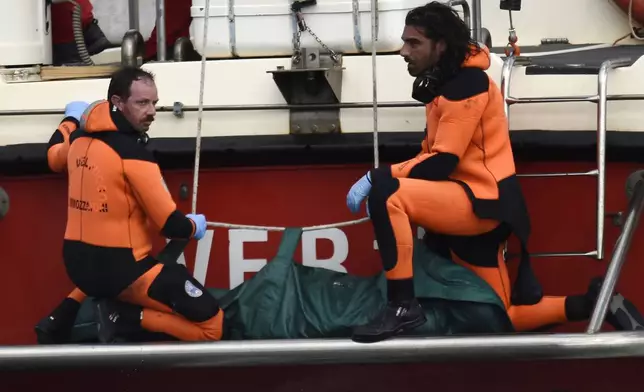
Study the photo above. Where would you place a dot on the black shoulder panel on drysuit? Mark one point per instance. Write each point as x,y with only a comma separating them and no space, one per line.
468,83
125,144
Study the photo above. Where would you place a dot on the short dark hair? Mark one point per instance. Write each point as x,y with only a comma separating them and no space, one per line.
439,21
121,82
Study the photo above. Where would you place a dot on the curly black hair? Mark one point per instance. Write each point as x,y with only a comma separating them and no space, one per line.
441,22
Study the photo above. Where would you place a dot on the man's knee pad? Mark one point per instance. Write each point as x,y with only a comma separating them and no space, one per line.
176,288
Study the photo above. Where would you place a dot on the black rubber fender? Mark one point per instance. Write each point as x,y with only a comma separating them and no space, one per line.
4,203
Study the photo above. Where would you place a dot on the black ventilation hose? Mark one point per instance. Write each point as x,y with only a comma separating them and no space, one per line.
79,37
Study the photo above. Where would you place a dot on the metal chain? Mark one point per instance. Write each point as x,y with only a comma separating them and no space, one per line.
297,53
296,42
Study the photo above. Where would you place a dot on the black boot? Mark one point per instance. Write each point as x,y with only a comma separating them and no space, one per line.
56,328
396,317
622,313
117,320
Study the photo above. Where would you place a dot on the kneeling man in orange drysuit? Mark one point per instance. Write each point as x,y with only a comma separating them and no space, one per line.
115,188
462,187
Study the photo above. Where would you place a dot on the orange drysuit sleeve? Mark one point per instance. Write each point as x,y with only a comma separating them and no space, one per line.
457,122
58,145
150,191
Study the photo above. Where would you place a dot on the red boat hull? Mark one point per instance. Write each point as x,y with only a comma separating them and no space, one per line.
563,214
562,210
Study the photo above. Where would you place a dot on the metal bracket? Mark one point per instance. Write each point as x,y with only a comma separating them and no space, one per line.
617,218
510,5
314,81
4,203
177,109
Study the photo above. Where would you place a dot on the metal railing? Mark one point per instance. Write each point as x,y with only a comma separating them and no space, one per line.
600,99
467,18
635,191
133,10
326,351
476,17
133,14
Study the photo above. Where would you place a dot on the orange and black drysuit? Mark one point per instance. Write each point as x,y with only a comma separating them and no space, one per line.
462,187
115,186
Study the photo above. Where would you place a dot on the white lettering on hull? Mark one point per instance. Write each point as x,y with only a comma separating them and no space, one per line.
239,265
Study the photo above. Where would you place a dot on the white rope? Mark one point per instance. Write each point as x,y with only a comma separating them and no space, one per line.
376,158
202,83
630,22
374,77
278,228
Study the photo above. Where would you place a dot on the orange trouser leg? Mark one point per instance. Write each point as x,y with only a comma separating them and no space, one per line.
549,311
438,206
159,317
77,295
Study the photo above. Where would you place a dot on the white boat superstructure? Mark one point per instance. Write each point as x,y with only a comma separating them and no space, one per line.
30,106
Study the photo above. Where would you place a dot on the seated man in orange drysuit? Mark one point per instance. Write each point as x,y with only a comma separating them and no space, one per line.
115,188
56,327
462,187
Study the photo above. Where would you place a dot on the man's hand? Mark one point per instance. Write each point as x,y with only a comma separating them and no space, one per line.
200,225
358,192
75,109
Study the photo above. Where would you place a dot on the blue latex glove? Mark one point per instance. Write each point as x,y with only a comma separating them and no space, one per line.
200,225
75,109
358,192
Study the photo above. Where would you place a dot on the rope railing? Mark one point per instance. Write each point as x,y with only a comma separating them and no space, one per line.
278,228
202,87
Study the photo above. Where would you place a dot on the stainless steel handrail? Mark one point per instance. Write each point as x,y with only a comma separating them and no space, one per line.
636,204
466,12
601,99
260,107
325,351
160,26
133,14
